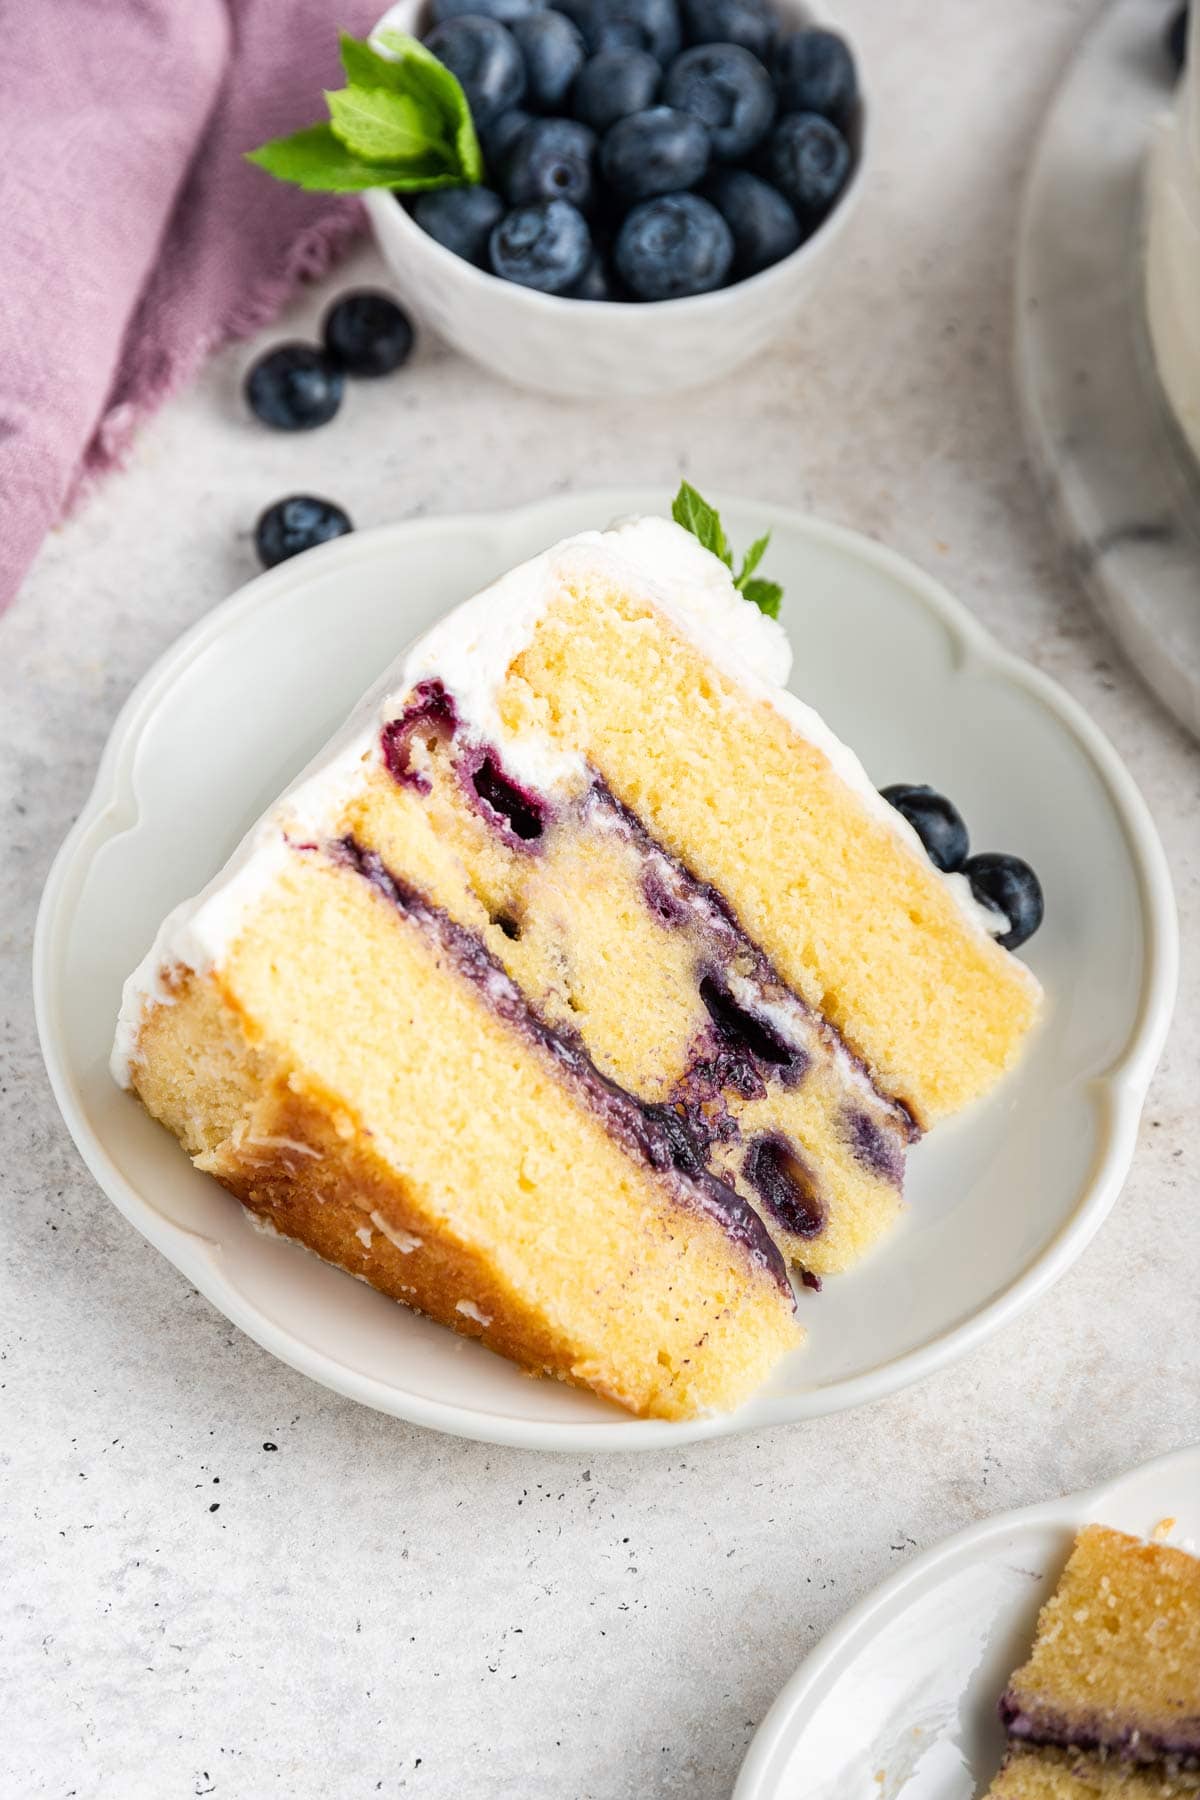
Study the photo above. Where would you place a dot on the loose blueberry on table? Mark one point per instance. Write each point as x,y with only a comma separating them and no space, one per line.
296,524
294,387
694,143
366,333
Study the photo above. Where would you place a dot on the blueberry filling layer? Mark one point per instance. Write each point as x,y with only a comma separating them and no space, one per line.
1134,1742
431,712
740,1027
652,1134
515,806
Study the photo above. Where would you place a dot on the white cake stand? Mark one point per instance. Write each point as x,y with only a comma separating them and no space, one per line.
1117,471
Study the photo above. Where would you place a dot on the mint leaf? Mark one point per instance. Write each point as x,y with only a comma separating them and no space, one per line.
751,560
401,122
366,68
317,160
766,595
438,85
693,512
384,127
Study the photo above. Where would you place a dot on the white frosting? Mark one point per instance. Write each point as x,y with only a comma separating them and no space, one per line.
1173,250
470,651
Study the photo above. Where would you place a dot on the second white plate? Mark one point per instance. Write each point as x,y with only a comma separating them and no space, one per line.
1000,1202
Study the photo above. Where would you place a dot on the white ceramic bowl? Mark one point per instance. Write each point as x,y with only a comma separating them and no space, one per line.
586,348
1001,1201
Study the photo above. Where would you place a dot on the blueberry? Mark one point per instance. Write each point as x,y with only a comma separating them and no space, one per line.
1176,38
551,159
367,333
296,524
498,136
613,84
615,34
786,1185
654,152
673,245
484,56
651,25
815,73
750,23
1007,885
764,227
728,90
554,54
596,283
809,162
294,387
461,219
546,246
937,823
506,11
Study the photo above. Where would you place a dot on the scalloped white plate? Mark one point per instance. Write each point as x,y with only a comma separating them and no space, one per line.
899,1701
1001,1201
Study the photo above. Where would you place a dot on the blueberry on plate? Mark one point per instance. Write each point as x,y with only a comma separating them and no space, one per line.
672,246
730,93
366,333
764,227
546,246
294,387
551,159
1176,38
750,23
461,219
937,823
506,11
815,73
554,54
1008,886
612,84
484,55
498,136
808,160
296,524
651,25
656,152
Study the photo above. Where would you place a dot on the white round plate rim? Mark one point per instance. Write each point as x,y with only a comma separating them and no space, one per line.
112,807
1119,478
778,1739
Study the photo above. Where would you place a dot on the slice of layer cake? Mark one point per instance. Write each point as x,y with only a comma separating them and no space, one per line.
582,985
1115,1666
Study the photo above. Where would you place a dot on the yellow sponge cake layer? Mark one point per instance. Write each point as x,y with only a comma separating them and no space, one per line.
857,921
355,1086
1069,1775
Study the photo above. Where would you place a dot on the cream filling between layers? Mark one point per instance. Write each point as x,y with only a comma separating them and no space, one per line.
470,651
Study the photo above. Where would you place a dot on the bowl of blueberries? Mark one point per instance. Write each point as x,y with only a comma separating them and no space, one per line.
663,179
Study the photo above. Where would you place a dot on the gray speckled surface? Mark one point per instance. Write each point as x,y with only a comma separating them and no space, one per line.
372,1609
